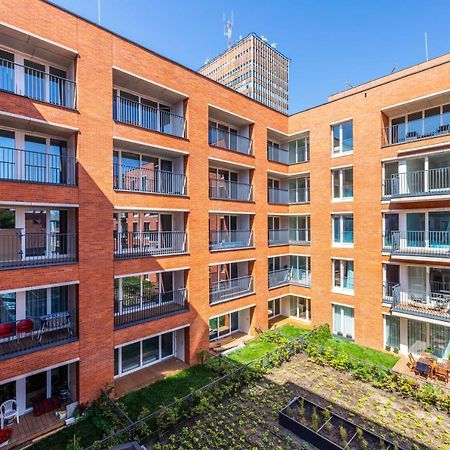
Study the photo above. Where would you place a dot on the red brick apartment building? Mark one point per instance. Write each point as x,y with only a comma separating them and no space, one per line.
147,212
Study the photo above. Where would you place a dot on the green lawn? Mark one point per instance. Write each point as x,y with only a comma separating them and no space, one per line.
387,360
253,350
164,391
292,331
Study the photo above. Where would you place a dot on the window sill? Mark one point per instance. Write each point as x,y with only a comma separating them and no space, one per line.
349,292
342,199
342,245
341,154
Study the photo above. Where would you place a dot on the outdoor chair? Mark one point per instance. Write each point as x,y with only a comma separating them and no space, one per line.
441,373
6,330
24,326
412,362
8,412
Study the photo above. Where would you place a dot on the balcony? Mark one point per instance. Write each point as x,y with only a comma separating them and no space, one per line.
418,183
288,196
34,167
277,154
27,323
278,196
230,141
435,244
289,237
434,304
136,244
289,276
140,179
230,190
134,308
36,84
230,239
135,113
225,290
19,249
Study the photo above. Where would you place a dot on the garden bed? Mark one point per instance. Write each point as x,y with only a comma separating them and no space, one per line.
328,430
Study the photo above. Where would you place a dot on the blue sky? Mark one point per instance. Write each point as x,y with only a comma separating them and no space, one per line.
330,43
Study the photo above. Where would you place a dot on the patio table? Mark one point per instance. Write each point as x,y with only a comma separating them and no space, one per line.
427,361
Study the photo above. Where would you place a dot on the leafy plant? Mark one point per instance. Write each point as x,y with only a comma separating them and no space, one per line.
343,433
314,420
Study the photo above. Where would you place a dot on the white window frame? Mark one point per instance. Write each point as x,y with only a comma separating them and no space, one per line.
337,151
340,172
341,242
226,334
340,289
335,332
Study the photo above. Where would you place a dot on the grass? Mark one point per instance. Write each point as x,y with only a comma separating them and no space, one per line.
387,360
164,391
292,331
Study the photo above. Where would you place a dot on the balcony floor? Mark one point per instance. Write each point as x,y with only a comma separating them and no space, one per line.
30,428
141,378
423,311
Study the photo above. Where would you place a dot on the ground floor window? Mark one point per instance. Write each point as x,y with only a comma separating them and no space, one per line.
299,307
422,336
274,308
143,353
392,331
223,325
343,321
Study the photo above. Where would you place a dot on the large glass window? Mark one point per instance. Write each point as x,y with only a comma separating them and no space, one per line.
299,190
7,71
342,137
131,356
273,307
392,331
299,307
417,336
343,229
343,183
343,274
343,321
223,325
299,150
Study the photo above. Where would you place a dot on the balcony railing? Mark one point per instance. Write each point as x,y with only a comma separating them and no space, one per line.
230,190
230,239
418,183
434,304
134,244
279,196
283,277
32,83
230,141
292,236
277,154
35,167
388,290
19,249
144,116
222,291
140,179
418,243
134,308
36,329
438,125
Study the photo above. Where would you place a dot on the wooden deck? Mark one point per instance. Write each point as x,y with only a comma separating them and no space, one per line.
33,428
279,321
141,378
229,342
402,367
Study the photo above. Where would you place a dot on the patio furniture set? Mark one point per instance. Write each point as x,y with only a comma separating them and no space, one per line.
429,367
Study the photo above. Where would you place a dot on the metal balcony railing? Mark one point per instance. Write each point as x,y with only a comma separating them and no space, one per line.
230,239
224,290
140,179
19,249
438,125
134,307
388,290
289,236
230,141
230,190
434,304
39,327
418,243
290,275
38,85
34,167
144,116
418,183
134,244
277,154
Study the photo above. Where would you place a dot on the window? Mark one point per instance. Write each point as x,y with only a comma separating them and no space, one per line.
343,229
273,308
392,331
342,274
299,190
299,150
342,137
343,183
223,325
391,225
343,321
143,353
299,307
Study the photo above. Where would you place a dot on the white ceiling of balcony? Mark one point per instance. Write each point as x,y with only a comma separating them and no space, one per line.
146,87
35,46
227,117
418,104
143,147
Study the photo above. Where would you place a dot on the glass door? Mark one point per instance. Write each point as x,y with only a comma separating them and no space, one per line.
417,284
415,226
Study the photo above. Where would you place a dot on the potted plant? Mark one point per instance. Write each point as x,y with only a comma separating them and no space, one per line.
396,350
5,436
387,348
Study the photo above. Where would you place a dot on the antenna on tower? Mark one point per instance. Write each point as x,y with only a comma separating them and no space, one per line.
228,29
98,11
